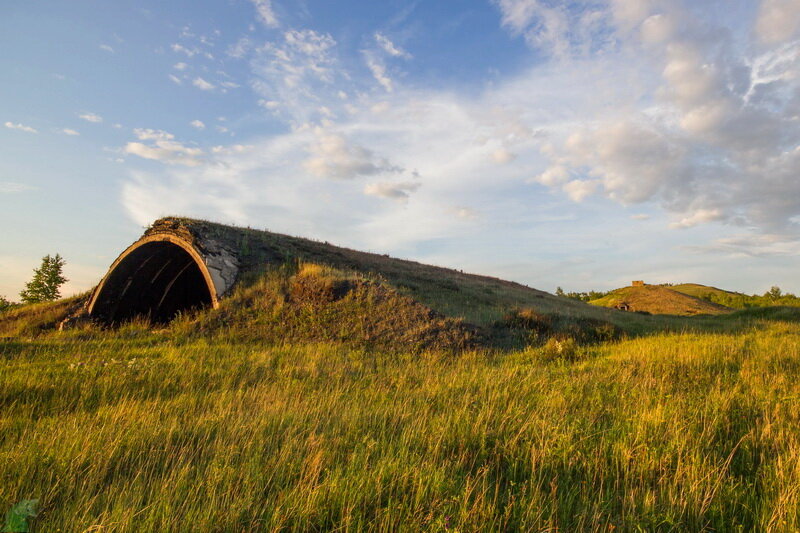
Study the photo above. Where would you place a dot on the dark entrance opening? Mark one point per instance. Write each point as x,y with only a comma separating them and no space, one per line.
157,280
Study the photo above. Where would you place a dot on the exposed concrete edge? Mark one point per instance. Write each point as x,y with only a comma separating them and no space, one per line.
218,265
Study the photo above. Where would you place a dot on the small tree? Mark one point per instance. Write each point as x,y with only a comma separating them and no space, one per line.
4,304
774,293
560,291
47,279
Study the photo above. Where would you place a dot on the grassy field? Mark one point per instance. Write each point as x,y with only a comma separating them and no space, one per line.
140,430
368,393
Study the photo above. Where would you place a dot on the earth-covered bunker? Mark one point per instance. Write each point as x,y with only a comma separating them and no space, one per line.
169,270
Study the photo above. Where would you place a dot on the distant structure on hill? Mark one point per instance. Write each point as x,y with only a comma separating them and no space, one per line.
637,283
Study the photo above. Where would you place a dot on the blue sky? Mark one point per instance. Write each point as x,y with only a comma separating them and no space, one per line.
577,144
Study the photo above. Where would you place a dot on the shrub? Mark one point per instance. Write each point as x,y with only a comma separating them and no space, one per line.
564,349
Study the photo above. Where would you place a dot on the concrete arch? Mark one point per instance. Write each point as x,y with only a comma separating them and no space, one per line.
159,276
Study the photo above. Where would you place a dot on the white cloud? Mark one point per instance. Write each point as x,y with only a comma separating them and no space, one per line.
180,66
389,47
198,124
378,70
640,216
393,191
578,190
107,48
68,131
20,127
503,156
777,20
202,84
700,216
175,79
558,28
645,108
265,12
297,70
91,117
180,49
333,156
719,141
466,213
163,147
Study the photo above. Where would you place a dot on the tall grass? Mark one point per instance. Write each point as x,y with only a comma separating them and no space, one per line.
137,431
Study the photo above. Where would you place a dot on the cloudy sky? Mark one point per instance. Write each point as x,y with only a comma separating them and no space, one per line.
581,144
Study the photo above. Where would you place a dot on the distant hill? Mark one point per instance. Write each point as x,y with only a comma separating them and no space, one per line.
662,300
704,292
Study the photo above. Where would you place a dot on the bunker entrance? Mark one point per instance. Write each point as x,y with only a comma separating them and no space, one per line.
157,280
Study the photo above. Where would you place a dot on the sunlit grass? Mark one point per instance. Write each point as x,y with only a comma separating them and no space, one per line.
137,431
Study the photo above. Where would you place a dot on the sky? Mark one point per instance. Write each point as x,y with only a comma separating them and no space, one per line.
580,144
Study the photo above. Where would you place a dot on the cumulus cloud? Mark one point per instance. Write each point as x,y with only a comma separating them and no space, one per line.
202,84
503,156
393,191
162,146
777,20
180,66
20,127
68,131
91,117
333,156
720,141
578,190
698,217
197,124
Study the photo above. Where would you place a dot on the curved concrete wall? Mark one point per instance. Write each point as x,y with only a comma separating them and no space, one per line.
148,265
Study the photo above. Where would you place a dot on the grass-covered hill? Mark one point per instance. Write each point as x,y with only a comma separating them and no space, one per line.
704,292
477,299
659,300
291,288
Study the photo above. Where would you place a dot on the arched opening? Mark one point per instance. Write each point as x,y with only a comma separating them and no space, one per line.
156,279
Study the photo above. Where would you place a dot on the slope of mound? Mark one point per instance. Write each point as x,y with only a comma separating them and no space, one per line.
317,303
479,300
28,320
658,300
704,292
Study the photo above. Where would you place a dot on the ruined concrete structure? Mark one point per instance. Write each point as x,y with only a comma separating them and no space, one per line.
637,283
172,268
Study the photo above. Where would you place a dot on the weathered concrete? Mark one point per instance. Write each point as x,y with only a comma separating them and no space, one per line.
172,268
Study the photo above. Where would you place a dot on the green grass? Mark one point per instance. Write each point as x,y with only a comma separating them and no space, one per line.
136,430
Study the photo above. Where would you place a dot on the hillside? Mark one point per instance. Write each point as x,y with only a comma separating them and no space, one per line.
481,301
704,292
295,289
659,300
477,299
